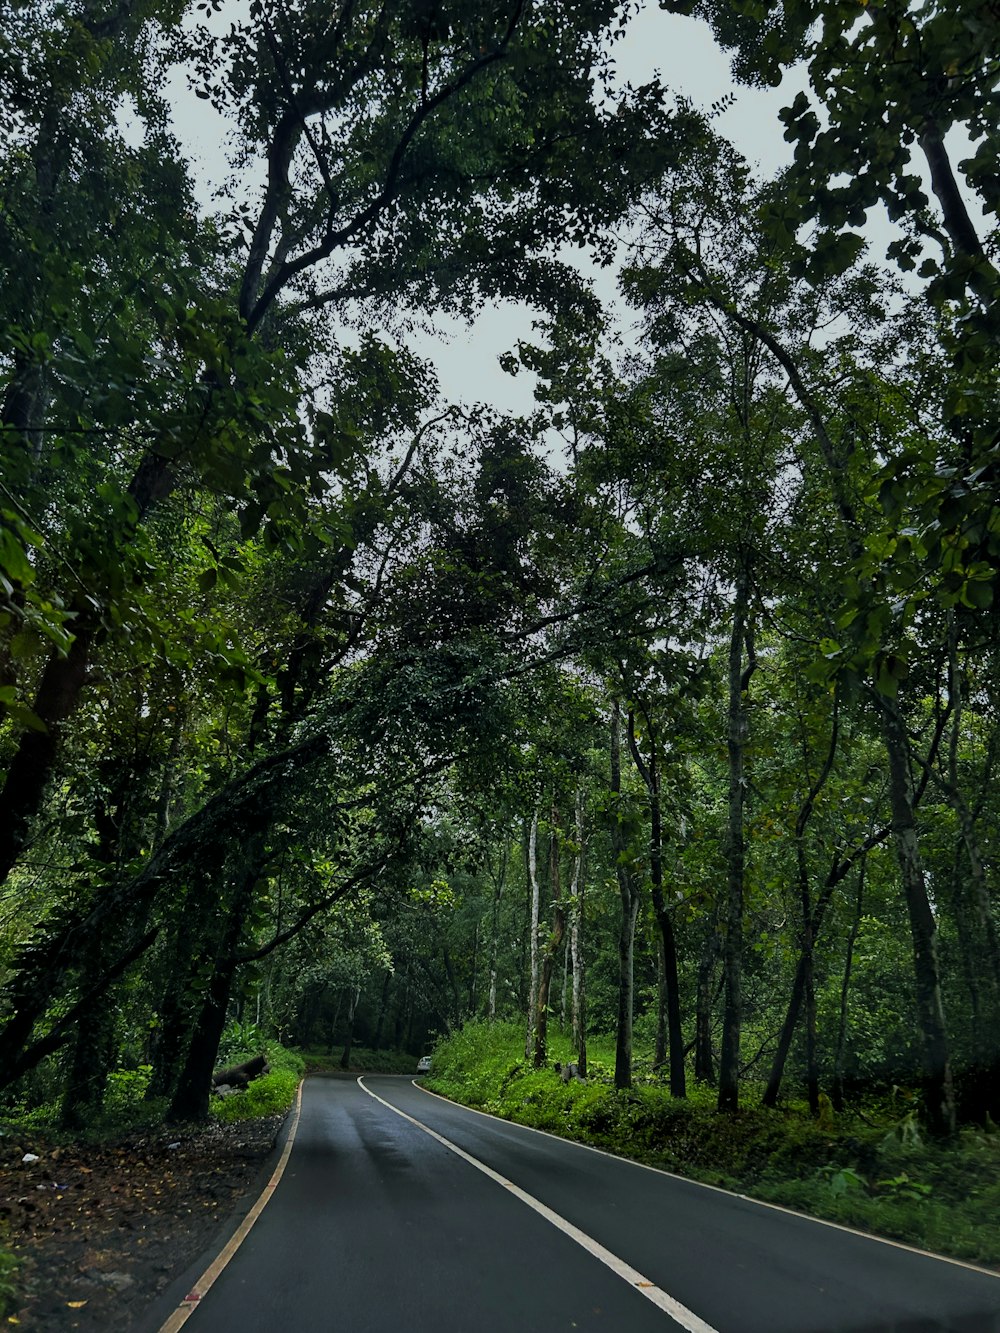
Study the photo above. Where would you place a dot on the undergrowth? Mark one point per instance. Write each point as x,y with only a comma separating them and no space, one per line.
126,1108
364,1060
880,1175
268,1095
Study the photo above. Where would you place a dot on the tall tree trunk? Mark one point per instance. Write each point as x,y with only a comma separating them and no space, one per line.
704,1059
661,1045
577,897
352,1008
628,890
838,872
669,988
498,887
532,935
31,766
474,978
455,1018
92,1056
840,1050
551,951
939,1096
383,1005
193,1087
809,995
939,1100
981,945
732,929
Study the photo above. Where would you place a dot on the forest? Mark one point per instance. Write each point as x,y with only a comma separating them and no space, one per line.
336,711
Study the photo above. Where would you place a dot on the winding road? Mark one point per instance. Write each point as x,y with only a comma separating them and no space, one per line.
399,1211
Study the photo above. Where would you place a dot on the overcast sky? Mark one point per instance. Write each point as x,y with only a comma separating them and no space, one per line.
681,50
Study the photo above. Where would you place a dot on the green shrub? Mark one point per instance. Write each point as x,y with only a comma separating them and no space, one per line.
265,1096
126,1089
239,1042
877,1173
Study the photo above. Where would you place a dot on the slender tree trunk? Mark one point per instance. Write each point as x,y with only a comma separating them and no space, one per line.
474,979
661,1045
551,950
498,887
92,1056
812,1070
577,897
939,1097
382,1006
732,932
402,992
803,987
669,1034
336,1019
668,944
704,1059
168,782
628,890
532,936
352,1008
456,1003
984,953
840,1051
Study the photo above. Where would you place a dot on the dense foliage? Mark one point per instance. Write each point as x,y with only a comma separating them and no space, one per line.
669,711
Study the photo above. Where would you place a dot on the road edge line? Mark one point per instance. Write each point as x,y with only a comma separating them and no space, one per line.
720,1189
686,1318
200,1288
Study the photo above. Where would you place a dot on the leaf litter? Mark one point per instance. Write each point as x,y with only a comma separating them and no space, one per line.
100,1230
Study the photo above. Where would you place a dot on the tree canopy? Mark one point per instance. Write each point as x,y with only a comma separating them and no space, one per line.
333,704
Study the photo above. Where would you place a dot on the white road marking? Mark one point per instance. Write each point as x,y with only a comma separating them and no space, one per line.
687,1319
718,1189
194,1297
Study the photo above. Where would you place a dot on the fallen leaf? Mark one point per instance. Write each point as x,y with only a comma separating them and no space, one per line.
76,1305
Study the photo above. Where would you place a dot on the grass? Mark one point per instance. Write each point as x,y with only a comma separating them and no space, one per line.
270,1094
878,1172
265,1096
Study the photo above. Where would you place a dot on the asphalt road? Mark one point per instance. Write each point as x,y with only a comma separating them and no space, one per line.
377,1226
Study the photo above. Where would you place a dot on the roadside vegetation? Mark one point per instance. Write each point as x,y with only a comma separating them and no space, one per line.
362,1060
127,1106
872,1168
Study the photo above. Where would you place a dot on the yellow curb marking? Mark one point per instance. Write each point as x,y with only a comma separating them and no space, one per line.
200,1289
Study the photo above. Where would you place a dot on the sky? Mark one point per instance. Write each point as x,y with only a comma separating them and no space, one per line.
682,52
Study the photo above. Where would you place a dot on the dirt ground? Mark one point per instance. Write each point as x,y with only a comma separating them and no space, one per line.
100,1231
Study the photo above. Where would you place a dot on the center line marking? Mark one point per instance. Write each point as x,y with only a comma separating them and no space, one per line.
687,1319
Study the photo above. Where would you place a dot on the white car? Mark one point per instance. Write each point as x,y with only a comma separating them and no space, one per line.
424,1065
